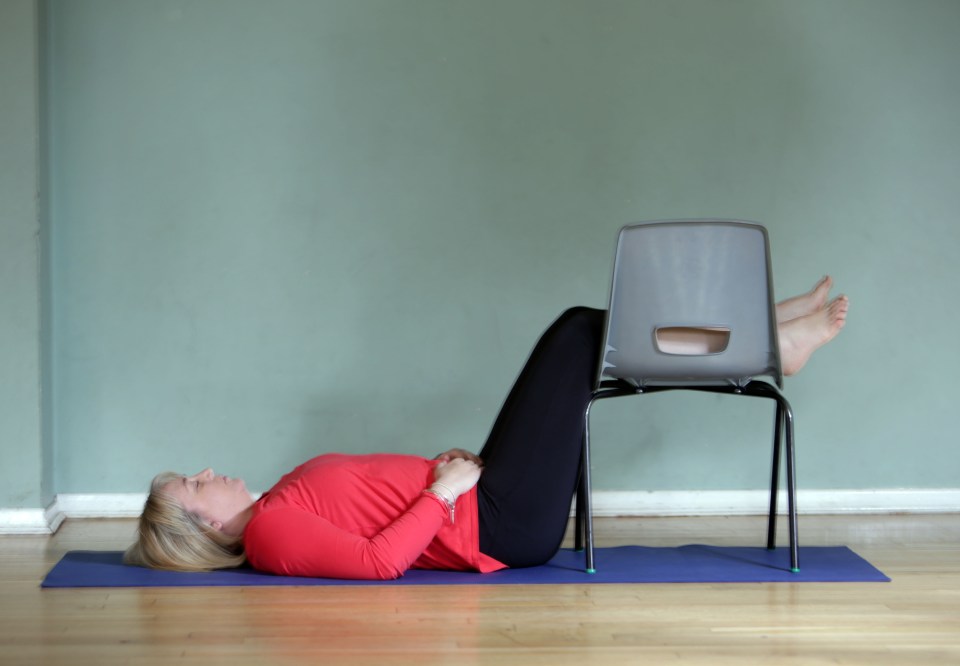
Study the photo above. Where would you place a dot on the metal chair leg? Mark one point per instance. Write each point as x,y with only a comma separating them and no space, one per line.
775,479
784,428
587,493
579,522
792,490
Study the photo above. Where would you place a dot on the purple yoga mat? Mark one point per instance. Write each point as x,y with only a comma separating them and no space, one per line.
624,564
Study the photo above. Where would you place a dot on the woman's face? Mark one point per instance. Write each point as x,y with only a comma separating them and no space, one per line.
218,500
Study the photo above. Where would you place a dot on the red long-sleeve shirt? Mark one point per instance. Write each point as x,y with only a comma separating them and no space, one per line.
363,517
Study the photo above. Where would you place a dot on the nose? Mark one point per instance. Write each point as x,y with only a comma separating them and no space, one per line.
205,475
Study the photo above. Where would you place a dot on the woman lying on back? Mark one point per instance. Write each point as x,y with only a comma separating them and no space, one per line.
375,516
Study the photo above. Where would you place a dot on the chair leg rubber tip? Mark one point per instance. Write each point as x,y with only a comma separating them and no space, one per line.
591,571
794,570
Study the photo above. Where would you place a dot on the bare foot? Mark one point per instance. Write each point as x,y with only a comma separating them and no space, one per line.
805,304
801,336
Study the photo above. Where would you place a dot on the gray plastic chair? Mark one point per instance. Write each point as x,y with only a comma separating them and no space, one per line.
675,284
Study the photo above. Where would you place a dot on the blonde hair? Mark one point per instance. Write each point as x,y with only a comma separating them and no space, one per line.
170,537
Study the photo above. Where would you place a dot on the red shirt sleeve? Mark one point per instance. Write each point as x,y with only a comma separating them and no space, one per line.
294,542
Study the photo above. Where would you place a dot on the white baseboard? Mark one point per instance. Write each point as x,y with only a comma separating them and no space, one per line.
756,502
114,505
605,503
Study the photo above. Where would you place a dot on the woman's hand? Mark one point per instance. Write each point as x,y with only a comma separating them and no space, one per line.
462,454
456,476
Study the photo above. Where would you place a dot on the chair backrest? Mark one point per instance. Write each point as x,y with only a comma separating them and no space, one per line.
691,302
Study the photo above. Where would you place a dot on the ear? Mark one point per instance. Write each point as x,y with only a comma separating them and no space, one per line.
217,525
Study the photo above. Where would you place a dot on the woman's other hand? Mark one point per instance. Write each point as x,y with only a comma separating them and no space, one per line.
459,454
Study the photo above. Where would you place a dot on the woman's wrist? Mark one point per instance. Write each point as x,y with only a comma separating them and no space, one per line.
444,495
445,491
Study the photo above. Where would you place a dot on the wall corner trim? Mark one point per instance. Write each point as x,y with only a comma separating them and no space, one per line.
31,521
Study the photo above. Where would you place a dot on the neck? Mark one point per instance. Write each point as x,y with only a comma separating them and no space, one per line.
236,525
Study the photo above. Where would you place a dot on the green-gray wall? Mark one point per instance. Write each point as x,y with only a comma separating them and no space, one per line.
26,468
292,227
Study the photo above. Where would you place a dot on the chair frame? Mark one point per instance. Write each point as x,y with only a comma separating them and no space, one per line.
784,425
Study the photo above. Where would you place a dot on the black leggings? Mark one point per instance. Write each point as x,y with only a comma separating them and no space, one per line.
532,456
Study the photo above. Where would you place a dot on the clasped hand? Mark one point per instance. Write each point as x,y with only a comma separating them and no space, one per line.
457,474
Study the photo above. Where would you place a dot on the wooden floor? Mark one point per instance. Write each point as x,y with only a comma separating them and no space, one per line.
913,620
